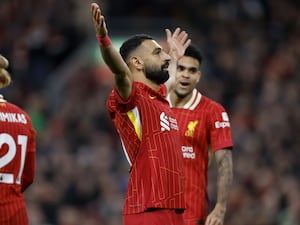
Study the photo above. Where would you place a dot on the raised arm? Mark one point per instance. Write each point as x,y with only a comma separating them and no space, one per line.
177,44
122,76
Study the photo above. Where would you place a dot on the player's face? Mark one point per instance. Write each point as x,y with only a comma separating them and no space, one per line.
187,76
156,62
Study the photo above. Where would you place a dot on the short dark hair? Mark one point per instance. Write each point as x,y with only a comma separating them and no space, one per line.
194,52
132,43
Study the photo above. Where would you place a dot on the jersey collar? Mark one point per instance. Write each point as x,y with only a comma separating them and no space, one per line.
192,102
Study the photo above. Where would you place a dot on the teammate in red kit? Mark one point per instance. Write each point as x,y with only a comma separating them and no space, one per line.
203,124
17,156
146,124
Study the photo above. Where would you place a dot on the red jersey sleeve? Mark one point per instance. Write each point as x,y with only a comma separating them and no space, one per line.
220,131
116,102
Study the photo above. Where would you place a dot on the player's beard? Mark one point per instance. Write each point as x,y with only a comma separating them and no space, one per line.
159,76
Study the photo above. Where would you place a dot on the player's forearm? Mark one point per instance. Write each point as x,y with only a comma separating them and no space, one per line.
122,75
224,180
114,61
172,72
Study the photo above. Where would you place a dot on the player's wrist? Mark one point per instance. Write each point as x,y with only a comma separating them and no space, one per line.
103,41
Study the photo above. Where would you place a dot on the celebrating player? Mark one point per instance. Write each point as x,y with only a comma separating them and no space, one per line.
146,123
203,123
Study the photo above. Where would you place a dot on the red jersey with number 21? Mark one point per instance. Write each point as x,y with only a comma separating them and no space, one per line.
17,162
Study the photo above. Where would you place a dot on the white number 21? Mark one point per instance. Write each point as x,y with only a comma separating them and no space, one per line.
11,153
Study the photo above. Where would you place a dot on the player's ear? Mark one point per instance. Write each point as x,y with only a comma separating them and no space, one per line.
137,62
199,76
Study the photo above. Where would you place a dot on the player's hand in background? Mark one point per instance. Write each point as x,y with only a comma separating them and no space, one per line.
177,42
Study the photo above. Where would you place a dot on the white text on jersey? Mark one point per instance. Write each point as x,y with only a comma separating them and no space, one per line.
13,117
188,152
167,123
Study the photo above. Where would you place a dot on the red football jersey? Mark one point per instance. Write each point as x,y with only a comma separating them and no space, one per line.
149,135
17,162
202,123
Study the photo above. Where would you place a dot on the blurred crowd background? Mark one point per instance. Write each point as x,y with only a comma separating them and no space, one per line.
251,65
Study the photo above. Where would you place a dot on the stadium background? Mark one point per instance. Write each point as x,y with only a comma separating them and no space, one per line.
251,65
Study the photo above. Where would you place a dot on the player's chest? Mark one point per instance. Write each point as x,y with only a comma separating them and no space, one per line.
192,125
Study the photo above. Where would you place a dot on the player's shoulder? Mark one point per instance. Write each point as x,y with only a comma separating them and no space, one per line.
16,108
211,104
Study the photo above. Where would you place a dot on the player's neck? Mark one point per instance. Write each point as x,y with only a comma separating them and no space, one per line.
177,101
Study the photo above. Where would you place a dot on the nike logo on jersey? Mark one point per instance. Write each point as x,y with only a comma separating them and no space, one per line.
152,96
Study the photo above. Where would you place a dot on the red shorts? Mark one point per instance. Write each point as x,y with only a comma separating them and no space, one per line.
154,217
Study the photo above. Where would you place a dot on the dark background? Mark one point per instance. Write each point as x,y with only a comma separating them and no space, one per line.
251,64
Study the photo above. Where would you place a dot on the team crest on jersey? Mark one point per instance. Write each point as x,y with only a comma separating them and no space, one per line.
191,128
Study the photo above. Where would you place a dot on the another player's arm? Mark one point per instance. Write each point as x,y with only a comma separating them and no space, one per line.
177,44
122,76
224,180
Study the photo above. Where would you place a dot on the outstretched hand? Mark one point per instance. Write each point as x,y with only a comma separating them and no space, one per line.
98,20
177,42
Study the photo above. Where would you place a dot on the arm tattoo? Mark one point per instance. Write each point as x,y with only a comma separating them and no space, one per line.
225,176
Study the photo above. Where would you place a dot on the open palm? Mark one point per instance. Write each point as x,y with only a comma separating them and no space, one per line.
177,42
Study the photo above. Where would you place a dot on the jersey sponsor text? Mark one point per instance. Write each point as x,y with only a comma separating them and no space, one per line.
167,123
219,124
188,152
